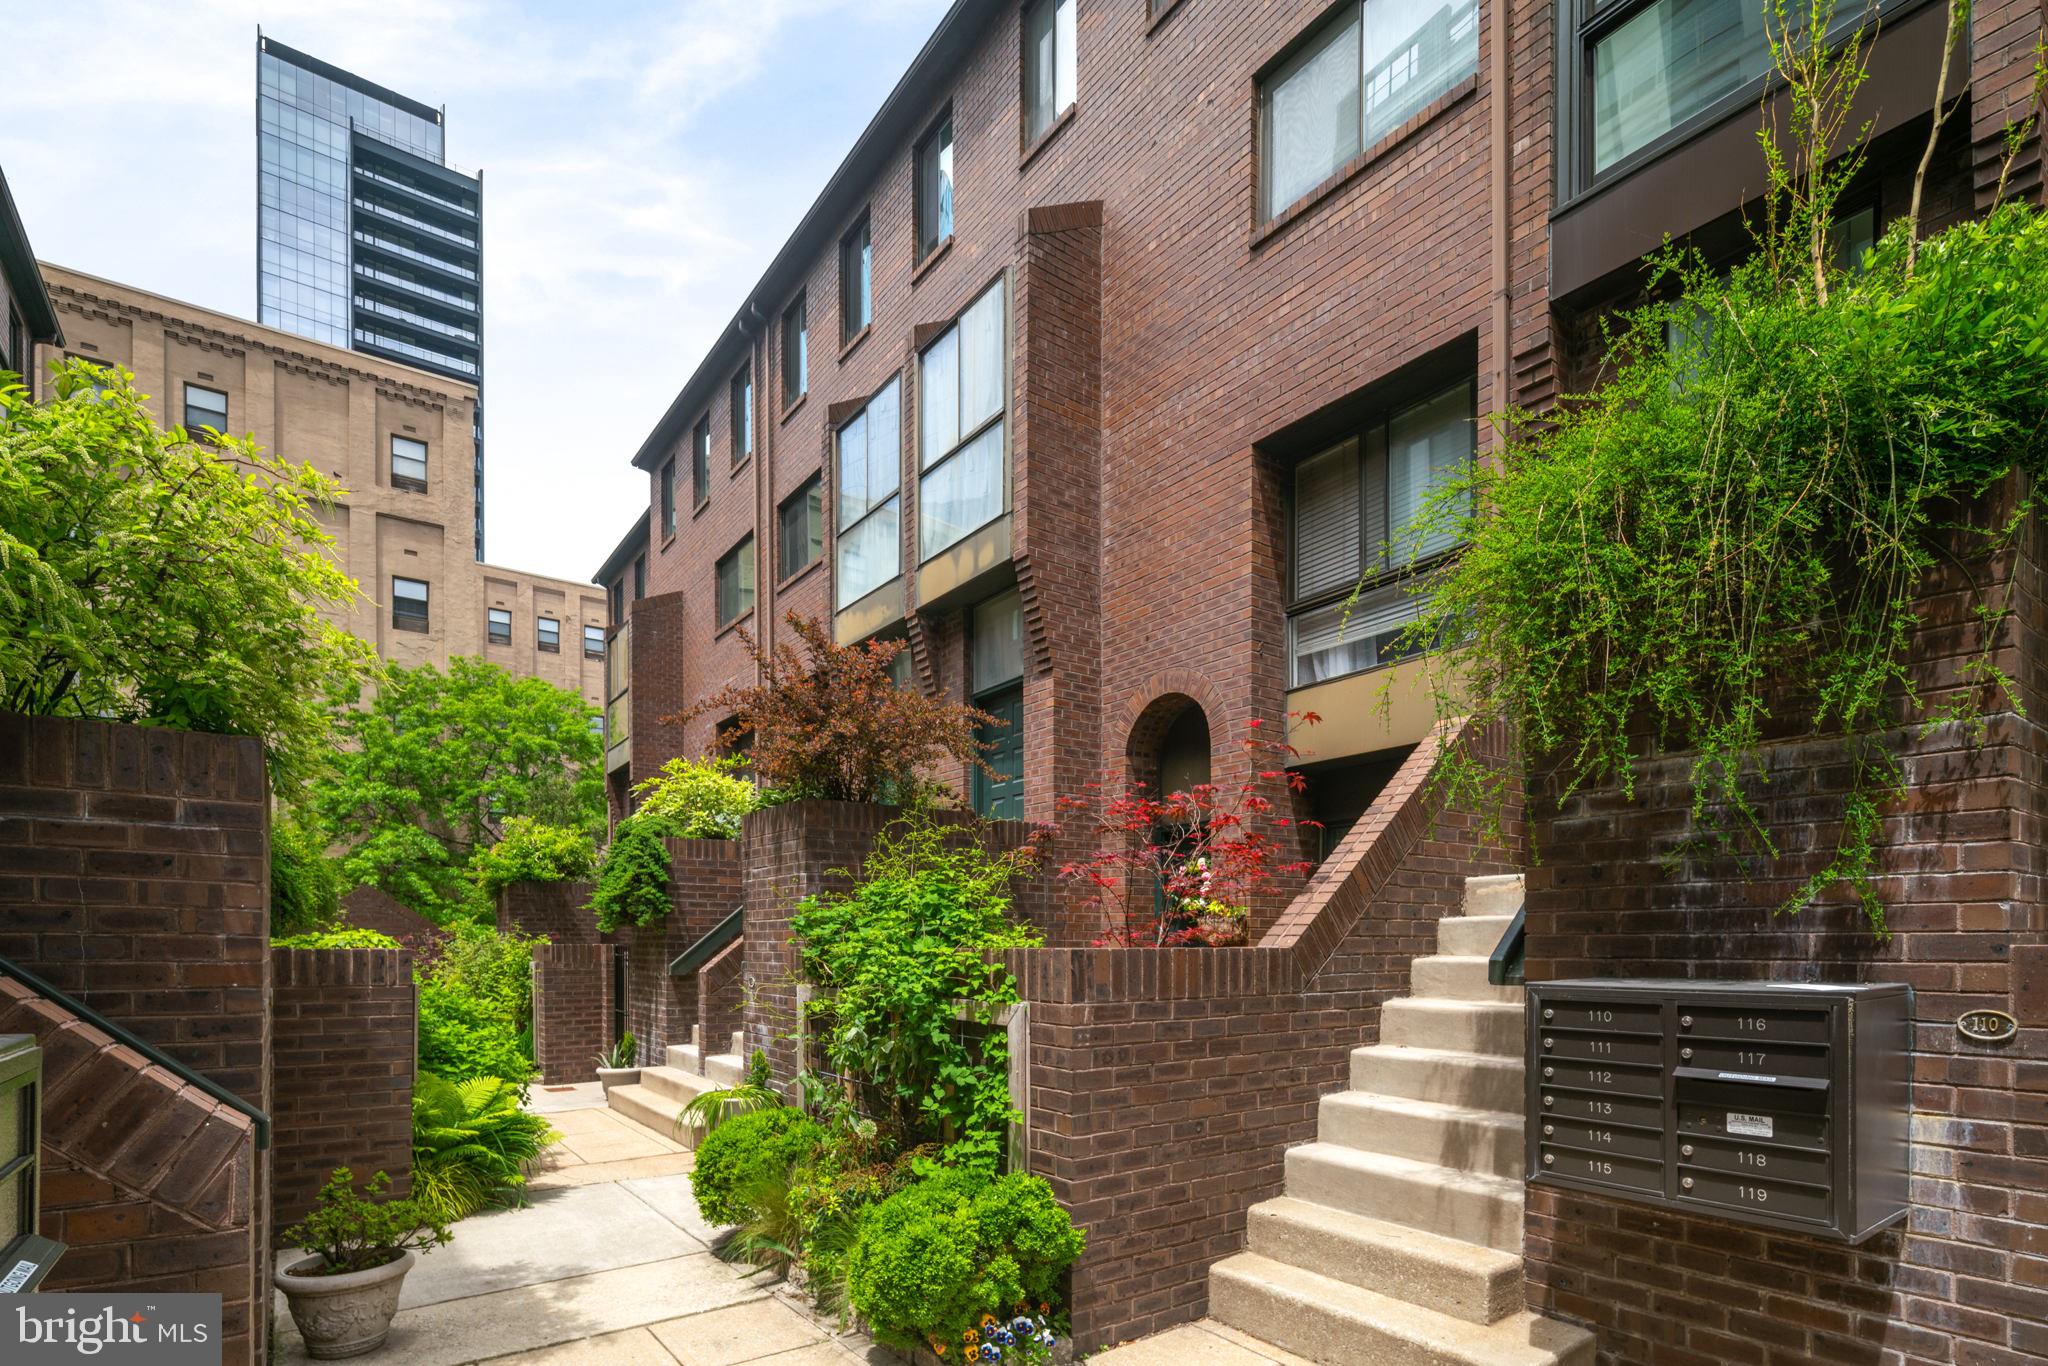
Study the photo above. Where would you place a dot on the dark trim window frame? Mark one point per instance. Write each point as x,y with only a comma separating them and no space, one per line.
547,635
593,642
203,414
800,529
639,577
700,462
615,599
1047,65
1741,70
742,397
796,348
409,604
668,496
1347,501
932,190
734,582
409,466
955,432
867,497
498,626
856,280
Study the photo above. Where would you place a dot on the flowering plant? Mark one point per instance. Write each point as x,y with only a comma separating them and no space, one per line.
1184,868
1025,1337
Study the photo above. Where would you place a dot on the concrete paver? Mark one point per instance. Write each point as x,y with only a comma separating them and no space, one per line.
1206,1343
744,1332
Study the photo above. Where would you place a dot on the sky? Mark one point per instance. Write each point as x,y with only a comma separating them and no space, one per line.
642,162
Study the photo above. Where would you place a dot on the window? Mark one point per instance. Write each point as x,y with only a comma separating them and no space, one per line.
856,281
593,642
615,599
1352,504
1048,65
668,497
796,341
408,464
800,529
869,468
498,626
996,673
700,463
742,415
639,577
1368,70
736,583
935,188
408,605
204,407
548,635
961,394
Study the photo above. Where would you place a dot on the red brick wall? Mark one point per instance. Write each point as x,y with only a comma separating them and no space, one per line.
345,1026
572,1009
371,908
134,874
1966,1280
704,888
559,910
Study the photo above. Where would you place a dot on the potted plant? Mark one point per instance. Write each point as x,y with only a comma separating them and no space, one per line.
619,1066
342,1297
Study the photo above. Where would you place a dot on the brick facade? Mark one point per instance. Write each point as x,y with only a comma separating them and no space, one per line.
572,1010
134,875
345,1024
560,911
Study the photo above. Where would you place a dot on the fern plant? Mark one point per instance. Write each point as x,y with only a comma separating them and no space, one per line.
471,1142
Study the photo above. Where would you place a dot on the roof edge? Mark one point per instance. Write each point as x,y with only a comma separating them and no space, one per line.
634,540
24,275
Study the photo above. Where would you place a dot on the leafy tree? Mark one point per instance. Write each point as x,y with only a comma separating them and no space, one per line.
632,886
533,852
703,798
437,764
828,721
149,577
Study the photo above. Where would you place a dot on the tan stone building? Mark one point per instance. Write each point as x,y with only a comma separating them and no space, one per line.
397,438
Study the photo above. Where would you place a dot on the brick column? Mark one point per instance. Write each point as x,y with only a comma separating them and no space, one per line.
572,1009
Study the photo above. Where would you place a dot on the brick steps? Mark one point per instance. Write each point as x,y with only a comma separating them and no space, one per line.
1398,1241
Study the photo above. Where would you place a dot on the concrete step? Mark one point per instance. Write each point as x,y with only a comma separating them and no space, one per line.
1453,1026
1428,1131
1457,979
1499,894
646,1106
1482,1081
674,1084
686,1057
1470,1207
1467,936
1476,1284
725,1069
1333,1322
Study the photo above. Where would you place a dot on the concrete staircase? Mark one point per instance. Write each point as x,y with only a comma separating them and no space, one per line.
661,1093
1399,1239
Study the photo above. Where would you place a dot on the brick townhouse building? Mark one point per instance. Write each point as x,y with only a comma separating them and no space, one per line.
1102,367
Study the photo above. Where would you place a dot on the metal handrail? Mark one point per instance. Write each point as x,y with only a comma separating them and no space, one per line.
707,948
127,1038
1504,964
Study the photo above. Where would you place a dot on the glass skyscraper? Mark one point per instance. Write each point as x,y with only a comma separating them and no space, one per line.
366,238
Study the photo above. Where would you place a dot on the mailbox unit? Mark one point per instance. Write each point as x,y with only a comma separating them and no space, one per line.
1775,1103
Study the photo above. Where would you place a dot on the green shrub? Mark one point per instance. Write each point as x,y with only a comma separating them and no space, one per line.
352,1232
531,851
701,798
929,1261
305,884
495,969
632,886
462,1037
471,1142
342,937
743,1150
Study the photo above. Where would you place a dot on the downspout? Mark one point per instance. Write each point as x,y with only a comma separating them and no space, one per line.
1497,111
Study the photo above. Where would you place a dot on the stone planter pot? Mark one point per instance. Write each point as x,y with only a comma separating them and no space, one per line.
608,1077
346,1315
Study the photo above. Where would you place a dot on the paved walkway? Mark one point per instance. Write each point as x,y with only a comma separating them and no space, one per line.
1207,1343
609,1265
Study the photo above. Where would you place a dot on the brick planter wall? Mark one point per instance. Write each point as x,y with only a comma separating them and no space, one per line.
1966,1280
134,874
558,910
345,1025
572,1009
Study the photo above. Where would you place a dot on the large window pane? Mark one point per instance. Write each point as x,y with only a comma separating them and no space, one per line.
935,189
1669,63
800,534
1048,64
981,360
1427,445
854,496
1312,115
866,555
998,642
938,397
1415,50
1346,638
1326,521
961,495
856,282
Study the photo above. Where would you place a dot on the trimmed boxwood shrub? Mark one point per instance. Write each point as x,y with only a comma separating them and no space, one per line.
932,1259
741,1152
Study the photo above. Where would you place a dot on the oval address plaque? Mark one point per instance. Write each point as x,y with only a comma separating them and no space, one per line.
1987,1026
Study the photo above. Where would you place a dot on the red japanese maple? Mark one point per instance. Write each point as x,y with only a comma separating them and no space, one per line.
1184,868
